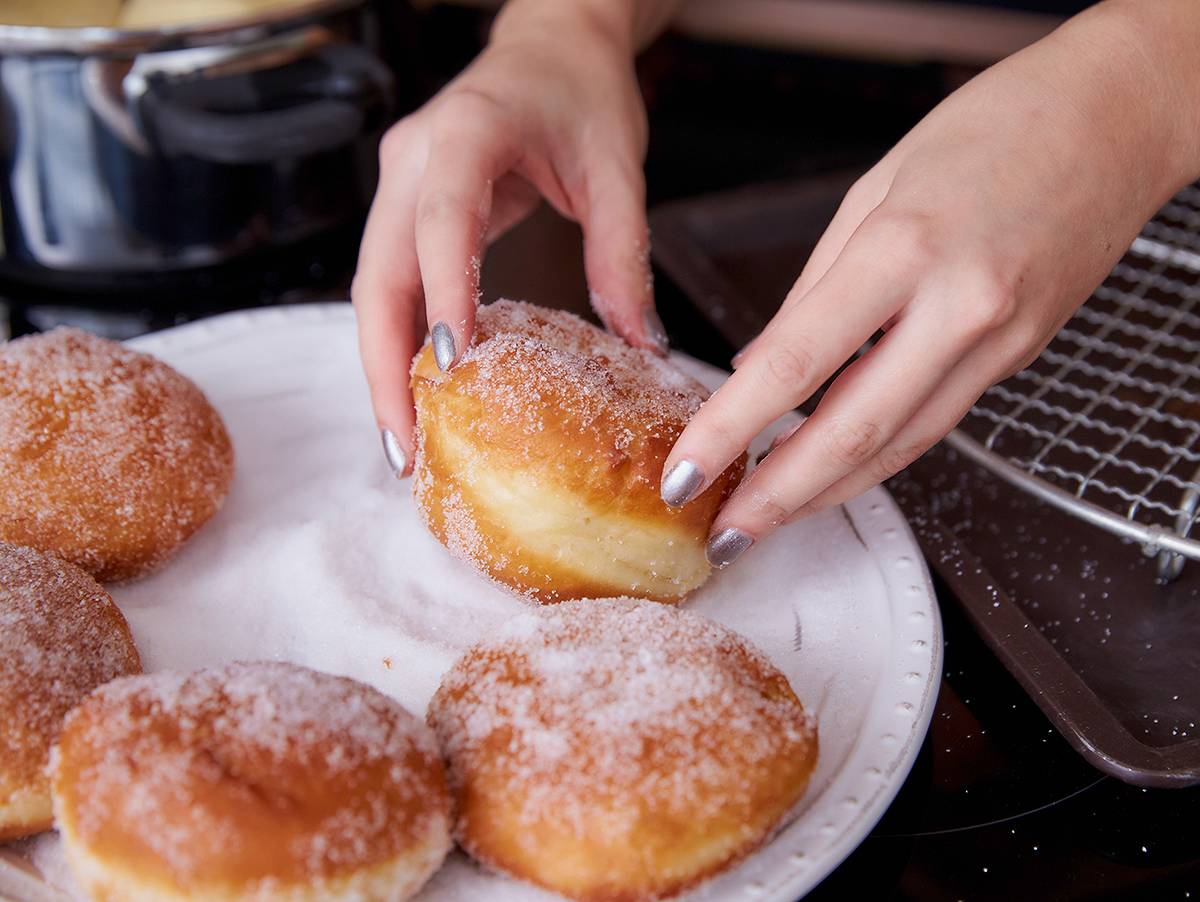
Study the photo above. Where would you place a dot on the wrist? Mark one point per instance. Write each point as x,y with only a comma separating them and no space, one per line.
1146,52
623,25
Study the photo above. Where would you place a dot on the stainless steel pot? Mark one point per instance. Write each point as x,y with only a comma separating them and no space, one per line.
148,152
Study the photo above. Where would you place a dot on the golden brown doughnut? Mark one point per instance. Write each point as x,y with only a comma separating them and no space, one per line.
619,750
109,458
539,457
61,636
253,781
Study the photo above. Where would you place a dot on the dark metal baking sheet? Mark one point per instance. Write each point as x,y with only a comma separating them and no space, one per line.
1111,656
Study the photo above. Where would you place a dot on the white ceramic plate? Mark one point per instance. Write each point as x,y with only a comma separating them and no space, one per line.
318,557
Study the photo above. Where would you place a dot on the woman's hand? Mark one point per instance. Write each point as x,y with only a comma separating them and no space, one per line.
970,244
552,109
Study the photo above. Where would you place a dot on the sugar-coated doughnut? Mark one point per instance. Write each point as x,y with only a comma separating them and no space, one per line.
61,636
252,781
109,458
619,750
539,457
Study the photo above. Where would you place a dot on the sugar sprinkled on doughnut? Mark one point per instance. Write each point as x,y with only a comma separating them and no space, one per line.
602,730
61,636
253,775
109,458
607,378
539,457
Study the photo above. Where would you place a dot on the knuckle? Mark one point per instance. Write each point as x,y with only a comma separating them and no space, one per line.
1026,338
989,305
786,366
894,458
469,109
853,443
862,193
394,143
908,237
1017,357
769,509
438,207
717,426
468,100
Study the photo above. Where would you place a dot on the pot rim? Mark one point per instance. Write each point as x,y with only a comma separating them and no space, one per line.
37,39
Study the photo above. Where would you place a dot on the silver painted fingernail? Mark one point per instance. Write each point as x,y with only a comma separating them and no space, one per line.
682,484
727,546
656,332
395,455
444,351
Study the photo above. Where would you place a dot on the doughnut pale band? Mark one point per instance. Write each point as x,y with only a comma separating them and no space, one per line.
539,457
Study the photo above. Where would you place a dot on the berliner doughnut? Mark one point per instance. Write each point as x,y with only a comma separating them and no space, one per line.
619,750
539,456
109,458
252,781
61,636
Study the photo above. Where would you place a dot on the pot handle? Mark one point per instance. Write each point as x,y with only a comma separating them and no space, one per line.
332,114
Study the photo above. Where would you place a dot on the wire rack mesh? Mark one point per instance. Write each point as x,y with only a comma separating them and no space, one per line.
1106,422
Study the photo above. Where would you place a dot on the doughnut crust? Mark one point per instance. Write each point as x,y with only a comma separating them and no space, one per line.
61,636
539,457
619,750
253,781
109,458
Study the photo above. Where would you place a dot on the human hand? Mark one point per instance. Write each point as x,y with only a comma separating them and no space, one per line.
550,109
969,245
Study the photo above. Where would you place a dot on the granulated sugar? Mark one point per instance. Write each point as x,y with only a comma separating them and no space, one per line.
60,637
252,732
99,443
622,700
608,378
319,558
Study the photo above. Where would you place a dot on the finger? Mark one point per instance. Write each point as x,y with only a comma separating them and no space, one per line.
387,299
937,417
863,197
617,253
468,153
862,413
810,342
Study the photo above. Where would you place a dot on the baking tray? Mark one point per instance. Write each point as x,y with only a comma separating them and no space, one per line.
1111,655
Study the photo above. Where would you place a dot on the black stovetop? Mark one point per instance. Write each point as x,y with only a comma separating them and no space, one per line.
999,806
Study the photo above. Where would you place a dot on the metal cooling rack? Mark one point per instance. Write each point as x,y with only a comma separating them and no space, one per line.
1105,424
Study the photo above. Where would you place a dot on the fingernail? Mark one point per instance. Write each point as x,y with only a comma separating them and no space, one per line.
395,455
682,483
443,346
727,546
655,331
